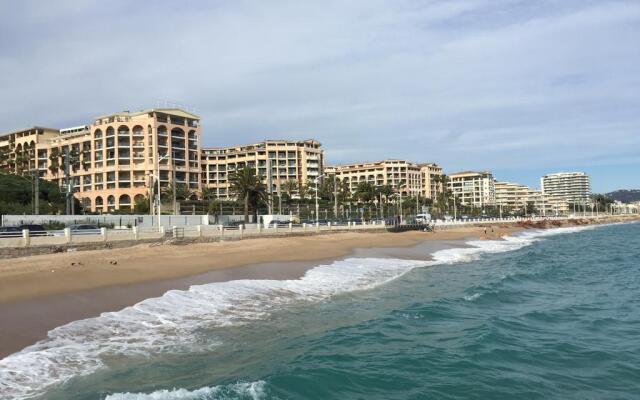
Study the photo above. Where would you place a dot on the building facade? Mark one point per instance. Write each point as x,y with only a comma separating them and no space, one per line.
405,177
18,149
472,188
514,196
432,184
275,161
111,163
564,188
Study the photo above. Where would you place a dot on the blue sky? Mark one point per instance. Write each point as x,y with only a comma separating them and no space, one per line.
521,88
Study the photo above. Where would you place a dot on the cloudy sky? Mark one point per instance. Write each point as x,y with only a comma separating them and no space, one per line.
518,87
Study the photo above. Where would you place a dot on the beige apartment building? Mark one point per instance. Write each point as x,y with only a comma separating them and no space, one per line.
408,178
432,185
276,161
472,188
18,148
112,161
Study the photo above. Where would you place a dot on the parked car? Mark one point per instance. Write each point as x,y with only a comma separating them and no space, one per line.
10,231
34,229
84,229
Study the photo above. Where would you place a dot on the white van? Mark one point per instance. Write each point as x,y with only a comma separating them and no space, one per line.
423,218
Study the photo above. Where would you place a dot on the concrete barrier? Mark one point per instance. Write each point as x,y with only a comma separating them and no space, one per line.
26,238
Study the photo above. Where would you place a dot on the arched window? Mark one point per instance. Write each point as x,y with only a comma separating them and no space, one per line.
99,202
177,132
124,201
110,131
97,134
111,200
123,130
137,130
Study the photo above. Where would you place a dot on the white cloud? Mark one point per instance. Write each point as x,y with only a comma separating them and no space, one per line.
469,84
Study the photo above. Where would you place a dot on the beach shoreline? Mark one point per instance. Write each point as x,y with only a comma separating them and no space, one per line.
34,300
25,320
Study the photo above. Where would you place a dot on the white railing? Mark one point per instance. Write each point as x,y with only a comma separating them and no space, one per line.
68,236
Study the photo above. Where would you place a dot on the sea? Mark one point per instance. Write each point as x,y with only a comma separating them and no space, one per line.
543,314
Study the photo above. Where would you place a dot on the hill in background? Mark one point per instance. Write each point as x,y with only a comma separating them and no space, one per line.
625,195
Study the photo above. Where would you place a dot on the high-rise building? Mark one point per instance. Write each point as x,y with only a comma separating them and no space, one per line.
473,188
564,188
405,177
276,161
109,164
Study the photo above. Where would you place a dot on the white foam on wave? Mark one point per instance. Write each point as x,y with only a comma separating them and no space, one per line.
252,390
170,323
472,297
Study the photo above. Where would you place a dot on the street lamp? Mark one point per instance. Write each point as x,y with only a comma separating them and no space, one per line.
317,208
157,177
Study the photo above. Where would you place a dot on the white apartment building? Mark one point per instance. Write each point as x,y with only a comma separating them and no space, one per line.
514,196
298,161
473,188
562,188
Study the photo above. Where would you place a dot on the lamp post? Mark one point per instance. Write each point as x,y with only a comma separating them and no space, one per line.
157,177
455,208
317,207
400,204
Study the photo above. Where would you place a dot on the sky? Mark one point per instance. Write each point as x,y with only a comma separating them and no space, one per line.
518,87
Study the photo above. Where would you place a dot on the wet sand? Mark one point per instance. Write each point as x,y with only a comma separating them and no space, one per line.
44,275
25,321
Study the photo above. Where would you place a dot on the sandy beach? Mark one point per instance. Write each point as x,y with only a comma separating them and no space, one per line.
39,293
43,275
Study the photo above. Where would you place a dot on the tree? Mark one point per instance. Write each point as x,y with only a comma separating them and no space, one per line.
288,189
248,187
365,192
141,206
207,193
182,191
16,195
21,159
54,161
4,158
601,201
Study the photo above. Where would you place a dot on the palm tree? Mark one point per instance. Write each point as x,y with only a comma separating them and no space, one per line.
54,160
21,159
207,193
248,187
4,157
365,192
182,191
289,188
384,191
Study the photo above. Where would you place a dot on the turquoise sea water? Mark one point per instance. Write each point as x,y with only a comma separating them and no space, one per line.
547,314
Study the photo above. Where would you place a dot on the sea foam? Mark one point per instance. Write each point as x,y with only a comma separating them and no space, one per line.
249,391
169,323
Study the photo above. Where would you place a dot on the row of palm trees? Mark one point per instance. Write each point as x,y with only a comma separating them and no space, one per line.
368,198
